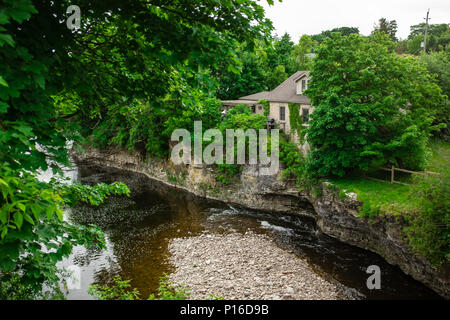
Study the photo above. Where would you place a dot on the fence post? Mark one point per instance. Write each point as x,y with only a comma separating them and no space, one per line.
392,174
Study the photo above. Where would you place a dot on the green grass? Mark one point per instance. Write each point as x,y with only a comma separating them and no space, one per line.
383,197
378,197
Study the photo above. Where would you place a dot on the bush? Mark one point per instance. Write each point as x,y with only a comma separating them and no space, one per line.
120,290
428,228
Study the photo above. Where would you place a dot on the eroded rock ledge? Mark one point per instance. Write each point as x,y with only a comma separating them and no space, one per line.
335,216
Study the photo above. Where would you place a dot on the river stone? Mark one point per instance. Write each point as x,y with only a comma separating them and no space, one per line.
286,276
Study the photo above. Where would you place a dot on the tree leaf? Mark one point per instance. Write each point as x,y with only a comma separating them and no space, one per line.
6,38
3,82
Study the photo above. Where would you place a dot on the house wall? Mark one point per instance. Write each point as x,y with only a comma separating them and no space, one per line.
285,125
259,109
275,113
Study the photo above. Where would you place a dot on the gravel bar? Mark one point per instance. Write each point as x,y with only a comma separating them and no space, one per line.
245,266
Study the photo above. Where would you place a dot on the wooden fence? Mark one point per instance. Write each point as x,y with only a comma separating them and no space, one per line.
392,171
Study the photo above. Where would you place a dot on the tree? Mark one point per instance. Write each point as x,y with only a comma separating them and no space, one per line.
401,47
388,27
300,53
345,31
250,79
130,66
433,30
282,54
438,37
415,45
276,77
438,64
371,106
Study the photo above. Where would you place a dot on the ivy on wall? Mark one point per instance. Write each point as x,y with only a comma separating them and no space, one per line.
266,106
295,121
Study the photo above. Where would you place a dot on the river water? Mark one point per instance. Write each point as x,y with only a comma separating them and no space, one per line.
138,231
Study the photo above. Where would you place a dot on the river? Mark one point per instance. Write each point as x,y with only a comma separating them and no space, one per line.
138,231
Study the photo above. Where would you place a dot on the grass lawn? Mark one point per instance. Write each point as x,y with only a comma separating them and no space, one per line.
389,198
393,198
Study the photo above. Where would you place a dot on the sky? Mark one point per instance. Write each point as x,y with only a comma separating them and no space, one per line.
298,17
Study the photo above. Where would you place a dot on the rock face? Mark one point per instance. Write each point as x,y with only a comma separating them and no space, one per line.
335,216
383,235
248,266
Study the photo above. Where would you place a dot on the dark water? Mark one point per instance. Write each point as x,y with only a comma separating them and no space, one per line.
139,229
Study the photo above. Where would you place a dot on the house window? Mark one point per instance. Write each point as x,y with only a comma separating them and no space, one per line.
282,113
305,115
303,85
253,109
299,88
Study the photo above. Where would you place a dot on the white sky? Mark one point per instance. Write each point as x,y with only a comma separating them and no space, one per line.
298,17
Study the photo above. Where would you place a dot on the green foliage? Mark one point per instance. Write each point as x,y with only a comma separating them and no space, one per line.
378,198
295,120
251,77
31,223
241,117
441,154
120,290
291,157
371,106
388,27
76,193
424,205
119,80
227,172
170,177
276,77
438,64
301,60
429,227
296,168
266,106
168,291
345,31
438,37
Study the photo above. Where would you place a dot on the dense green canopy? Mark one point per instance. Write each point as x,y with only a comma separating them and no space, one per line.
131,64
371,106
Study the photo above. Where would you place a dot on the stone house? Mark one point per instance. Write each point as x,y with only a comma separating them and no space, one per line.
290,91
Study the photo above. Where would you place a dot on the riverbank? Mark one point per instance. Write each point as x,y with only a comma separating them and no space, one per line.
249,266
335,215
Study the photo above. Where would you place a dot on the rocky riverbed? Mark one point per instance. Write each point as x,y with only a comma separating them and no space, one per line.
245,266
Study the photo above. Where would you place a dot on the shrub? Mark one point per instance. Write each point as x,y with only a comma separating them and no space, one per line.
120,290
428,228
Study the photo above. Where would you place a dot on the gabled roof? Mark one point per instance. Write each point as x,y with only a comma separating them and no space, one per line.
301,74
285,92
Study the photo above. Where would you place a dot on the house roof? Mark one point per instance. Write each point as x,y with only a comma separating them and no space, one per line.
238,102
285,92
256,96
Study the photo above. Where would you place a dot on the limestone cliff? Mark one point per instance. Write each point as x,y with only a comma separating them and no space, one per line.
335,216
